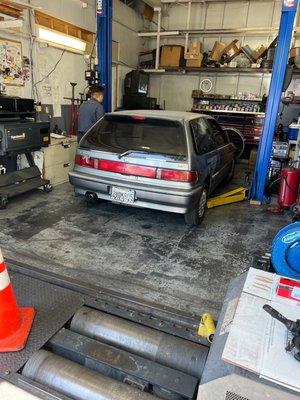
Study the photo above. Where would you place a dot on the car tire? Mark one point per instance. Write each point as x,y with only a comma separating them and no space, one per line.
231,172
3,203
196,216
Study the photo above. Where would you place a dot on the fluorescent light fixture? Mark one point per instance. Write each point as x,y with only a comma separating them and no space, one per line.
61,40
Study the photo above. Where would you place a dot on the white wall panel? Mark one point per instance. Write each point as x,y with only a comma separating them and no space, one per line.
260,13
176,91
214,15
155,86
266,84
235,14
250,84
226,84
277,13
176,17
126,25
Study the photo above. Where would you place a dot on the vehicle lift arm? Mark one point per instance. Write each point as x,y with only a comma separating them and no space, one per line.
289,9
104,49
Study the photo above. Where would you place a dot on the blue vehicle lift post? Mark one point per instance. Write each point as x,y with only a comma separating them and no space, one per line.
104,49
289,9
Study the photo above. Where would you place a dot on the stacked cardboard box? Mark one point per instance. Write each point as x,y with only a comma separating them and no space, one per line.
221,50
171,56
194,56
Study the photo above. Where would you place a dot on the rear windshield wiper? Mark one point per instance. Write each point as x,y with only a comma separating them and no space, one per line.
131,151
151,152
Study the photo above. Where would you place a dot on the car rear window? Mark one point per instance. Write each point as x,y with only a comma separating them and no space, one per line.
119,134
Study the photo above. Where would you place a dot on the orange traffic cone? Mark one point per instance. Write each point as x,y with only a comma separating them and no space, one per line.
15,322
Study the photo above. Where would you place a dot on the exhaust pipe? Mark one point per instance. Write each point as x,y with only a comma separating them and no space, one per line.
76,381
91,197
157,346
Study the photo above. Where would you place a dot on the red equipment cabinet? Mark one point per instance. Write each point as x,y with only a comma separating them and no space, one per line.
289,187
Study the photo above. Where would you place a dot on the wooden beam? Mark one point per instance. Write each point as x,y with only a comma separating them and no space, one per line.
11,6
20,4
12,12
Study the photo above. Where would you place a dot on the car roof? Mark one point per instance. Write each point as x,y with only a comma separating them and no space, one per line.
164,114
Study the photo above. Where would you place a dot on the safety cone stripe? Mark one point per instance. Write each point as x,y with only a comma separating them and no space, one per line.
2,267
1,257
4,279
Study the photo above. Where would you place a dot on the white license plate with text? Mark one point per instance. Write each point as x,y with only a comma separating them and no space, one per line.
120,195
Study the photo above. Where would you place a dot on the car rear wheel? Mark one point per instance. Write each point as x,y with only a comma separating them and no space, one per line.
196,216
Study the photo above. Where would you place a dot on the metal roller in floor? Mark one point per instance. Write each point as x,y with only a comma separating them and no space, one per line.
165,349
76,381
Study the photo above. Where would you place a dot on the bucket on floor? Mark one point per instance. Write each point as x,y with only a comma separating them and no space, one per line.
293,131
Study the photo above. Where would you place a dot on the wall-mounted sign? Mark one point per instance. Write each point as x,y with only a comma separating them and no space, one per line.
100,7
289,3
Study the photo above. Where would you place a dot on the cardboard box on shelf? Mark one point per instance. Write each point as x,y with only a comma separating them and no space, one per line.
171,56
232,50
259,52
194,63
217,51
194,51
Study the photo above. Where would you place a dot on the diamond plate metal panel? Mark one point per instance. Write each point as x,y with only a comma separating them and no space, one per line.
54,307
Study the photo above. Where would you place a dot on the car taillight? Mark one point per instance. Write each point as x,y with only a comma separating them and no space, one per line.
138,118
127,169
85,161
176,175
137,170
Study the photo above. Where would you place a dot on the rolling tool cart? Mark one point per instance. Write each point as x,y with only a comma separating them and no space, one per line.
20,133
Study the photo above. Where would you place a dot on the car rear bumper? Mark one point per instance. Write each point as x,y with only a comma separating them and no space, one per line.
175,201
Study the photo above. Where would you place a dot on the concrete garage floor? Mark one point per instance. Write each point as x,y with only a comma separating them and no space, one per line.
143,253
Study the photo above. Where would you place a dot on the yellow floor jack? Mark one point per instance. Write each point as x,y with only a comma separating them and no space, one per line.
233,196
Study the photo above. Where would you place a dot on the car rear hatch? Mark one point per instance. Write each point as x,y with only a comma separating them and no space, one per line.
135,151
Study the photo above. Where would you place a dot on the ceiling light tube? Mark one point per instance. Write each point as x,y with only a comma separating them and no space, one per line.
60,40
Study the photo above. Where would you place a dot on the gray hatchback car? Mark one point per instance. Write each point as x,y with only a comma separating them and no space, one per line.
163,160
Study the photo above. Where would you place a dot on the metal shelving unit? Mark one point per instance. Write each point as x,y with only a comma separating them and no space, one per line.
204,110
212,70
160,33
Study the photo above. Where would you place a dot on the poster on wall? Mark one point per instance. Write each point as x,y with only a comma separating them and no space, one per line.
11,62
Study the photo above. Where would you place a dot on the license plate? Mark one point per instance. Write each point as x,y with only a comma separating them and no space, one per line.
125,196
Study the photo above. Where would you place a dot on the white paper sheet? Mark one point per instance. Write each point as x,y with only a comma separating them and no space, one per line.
257,341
